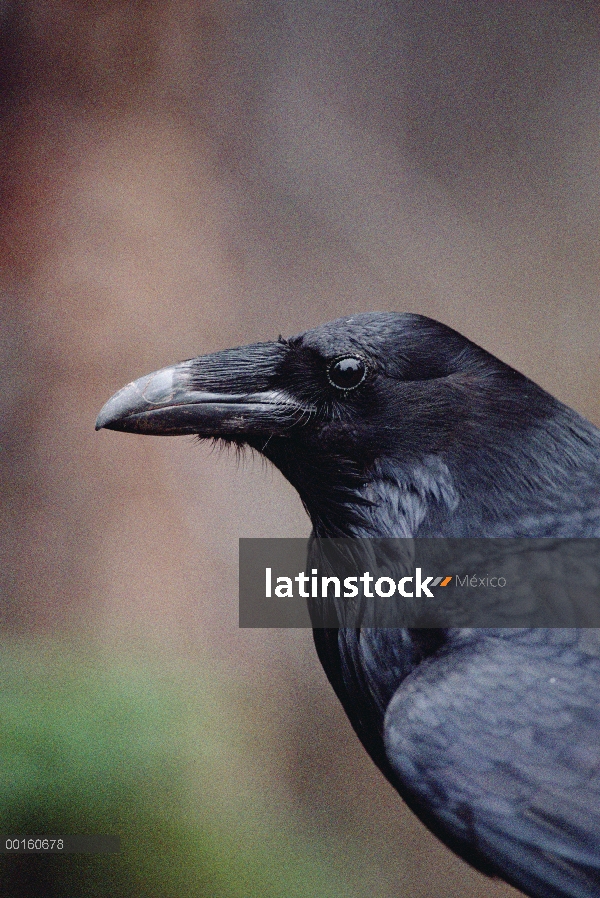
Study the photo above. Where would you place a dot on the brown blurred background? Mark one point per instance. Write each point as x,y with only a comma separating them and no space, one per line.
178,177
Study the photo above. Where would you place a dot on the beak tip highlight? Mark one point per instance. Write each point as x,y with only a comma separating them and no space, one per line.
107,418
124,410
114,413
103,420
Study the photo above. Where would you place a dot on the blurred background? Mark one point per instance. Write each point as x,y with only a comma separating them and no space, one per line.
178,177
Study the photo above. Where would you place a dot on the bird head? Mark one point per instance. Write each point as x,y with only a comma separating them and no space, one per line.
395,413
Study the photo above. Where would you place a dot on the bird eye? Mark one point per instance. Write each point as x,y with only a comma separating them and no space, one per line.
347,373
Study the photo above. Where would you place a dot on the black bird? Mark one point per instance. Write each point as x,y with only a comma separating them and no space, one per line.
394,425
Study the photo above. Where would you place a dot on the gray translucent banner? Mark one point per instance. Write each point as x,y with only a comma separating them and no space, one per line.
59,844
419,583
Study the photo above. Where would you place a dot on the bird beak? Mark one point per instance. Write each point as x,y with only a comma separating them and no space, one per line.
226,394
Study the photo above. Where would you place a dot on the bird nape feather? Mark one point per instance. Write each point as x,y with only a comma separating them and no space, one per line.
394,425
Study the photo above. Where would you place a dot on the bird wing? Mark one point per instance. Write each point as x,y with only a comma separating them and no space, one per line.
496,746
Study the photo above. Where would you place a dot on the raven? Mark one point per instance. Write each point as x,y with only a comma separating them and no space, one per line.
394,425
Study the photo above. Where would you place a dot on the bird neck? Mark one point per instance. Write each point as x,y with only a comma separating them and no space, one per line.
390,500
512,486
495,475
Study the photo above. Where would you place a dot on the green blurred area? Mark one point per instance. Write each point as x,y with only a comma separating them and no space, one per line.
144,749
